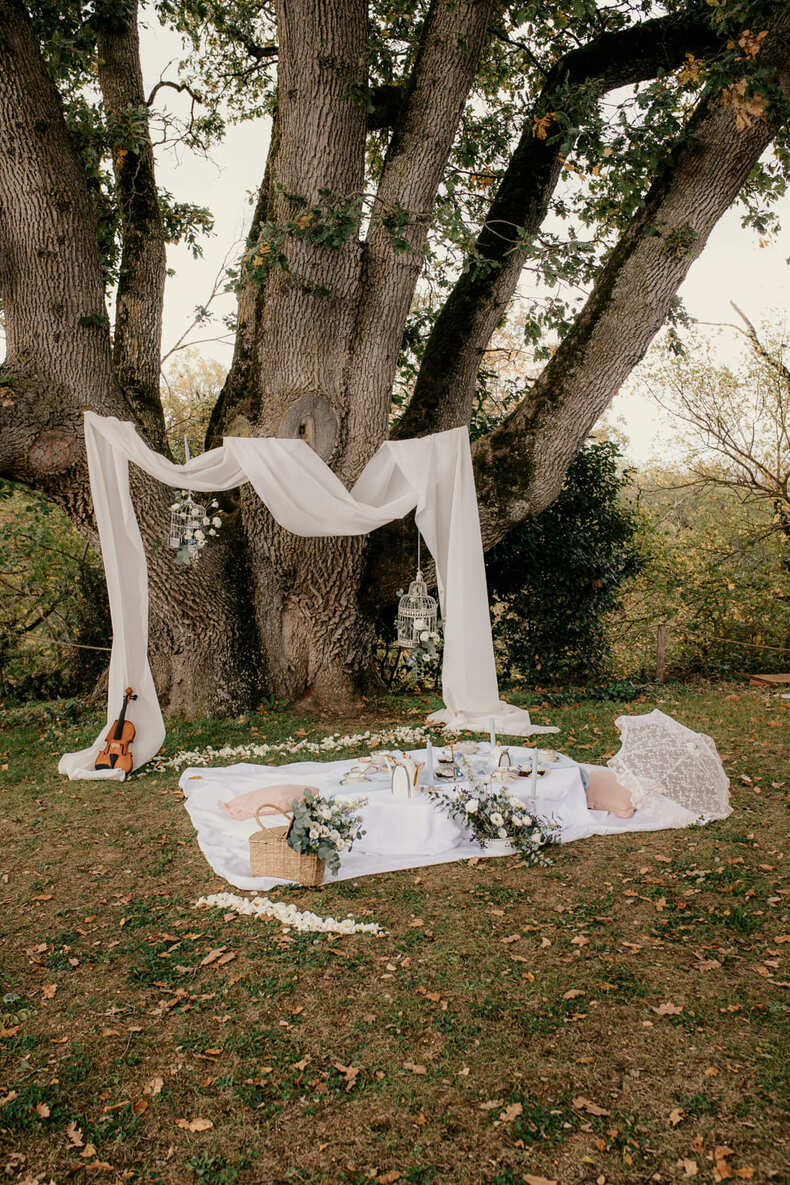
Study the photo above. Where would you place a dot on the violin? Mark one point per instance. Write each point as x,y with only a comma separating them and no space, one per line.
115,754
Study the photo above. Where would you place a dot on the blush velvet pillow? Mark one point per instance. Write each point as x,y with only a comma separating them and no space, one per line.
604,793
281,795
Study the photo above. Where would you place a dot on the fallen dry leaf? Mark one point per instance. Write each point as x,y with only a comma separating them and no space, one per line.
350,1074
154,1087
212,956
512,1111
48,990
690,1167
194,1125
88,1151
42,1110
74,1134
667,1009
572,994
531,1179
676,1116
591,1108
140,1107
390,1177
415,1068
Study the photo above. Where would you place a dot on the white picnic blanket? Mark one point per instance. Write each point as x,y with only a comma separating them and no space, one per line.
399,834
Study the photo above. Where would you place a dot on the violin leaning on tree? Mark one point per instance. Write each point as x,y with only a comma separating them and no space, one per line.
115,754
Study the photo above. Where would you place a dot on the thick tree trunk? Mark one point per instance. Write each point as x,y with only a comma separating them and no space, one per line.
318,347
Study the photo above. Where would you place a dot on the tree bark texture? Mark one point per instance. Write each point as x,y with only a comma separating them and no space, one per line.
318,338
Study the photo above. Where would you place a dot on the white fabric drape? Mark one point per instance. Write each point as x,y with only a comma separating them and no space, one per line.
432,475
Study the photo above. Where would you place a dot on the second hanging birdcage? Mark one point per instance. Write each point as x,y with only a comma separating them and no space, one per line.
417,615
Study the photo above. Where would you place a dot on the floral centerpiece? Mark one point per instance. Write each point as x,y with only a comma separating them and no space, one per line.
325,827
490,812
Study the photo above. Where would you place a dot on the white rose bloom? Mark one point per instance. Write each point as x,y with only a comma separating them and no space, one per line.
314,833
497,819
502,833
471,806
216,521
206,521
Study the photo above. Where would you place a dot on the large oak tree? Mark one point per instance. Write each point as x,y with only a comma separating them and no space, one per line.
423,156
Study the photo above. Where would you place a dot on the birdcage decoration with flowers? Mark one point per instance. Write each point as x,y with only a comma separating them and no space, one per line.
417,614
191,524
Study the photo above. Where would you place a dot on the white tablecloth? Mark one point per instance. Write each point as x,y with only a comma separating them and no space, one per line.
399,834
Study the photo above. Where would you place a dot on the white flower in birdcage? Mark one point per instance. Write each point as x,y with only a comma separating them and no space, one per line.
186,528
417,615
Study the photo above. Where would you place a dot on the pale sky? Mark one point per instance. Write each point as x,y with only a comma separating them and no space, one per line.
732,266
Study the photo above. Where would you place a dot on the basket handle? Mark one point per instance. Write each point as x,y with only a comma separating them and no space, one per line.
269,807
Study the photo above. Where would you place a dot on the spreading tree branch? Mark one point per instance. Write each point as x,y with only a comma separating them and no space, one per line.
137,340
51,283
445,388
452,41
521,464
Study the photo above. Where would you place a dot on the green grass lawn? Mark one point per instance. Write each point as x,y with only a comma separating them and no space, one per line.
619,1016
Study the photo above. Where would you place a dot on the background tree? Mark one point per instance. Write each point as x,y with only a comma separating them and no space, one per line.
715,572
411,142
737,421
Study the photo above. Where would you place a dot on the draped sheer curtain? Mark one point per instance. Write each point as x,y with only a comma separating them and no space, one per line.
431,475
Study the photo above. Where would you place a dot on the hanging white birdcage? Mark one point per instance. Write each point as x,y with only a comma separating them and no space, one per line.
417,614
188,524
191,524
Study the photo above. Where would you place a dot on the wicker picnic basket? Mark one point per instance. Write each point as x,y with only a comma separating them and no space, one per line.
272,855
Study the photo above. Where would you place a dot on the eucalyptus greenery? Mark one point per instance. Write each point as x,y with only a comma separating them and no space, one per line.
325,827
490,812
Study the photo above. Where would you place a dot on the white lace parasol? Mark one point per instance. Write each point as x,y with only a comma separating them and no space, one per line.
671,770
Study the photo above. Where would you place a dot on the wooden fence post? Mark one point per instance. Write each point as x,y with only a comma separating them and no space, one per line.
661,648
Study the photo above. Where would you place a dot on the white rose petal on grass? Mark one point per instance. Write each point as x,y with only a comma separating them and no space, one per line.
263,907
371,740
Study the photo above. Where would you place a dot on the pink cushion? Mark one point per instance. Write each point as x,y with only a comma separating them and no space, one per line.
605,793
281,795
